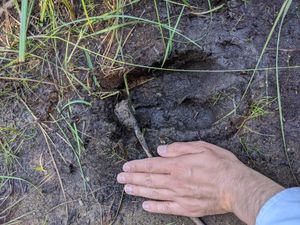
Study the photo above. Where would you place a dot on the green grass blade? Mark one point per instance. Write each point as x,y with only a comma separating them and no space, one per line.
44,4
66,139
106,17
281,118
86,14
265,47
154,67
23,31
3,177
259,59
88,60
76,102
170,40
159,21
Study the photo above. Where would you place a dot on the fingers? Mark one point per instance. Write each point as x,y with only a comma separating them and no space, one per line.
181,148
166,207
171,207
152,193
145,179
151,165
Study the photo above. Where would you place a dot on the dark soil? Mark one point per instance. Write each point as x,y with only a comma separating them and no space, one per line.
170,106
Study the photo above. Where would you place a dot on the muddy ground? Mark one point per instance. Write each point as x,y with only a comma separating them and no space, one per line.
170,106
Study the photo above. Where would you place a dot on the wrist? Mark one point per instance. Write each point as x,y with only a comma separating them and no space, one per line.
249,193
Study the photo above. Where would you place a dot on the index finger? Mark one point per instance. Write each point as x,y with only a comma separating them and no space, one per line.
150,165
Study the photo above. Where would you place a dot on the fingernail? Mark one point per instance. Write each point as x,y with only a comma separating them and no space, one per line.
162,149
128,189
121,178
126,167
146,206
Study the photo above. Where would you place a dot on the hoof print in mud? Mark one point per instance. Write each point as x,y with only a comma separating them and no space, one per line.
184,107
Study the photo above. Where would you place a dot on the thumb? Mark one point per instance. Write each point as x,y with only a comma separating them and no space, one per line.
179,149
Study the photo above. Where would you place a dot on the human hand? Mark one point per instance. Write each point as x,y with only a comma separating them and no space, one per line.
197,179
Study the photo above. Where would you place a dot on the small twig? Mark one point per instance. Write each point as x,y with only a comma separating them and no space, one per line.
118,209
197,221
125,114
48,140
9,4
29,80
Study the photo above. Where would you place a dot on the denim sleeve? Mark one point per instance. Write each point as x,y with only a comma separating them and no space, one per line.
282,209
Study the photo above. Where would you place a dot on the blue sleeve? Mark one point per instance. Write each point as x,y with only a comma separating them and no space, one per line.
282,209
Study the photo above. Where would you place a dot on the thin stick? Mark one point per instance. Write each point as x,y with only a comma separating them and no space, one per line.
28,80
6,6
197,221
125,113
47,139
